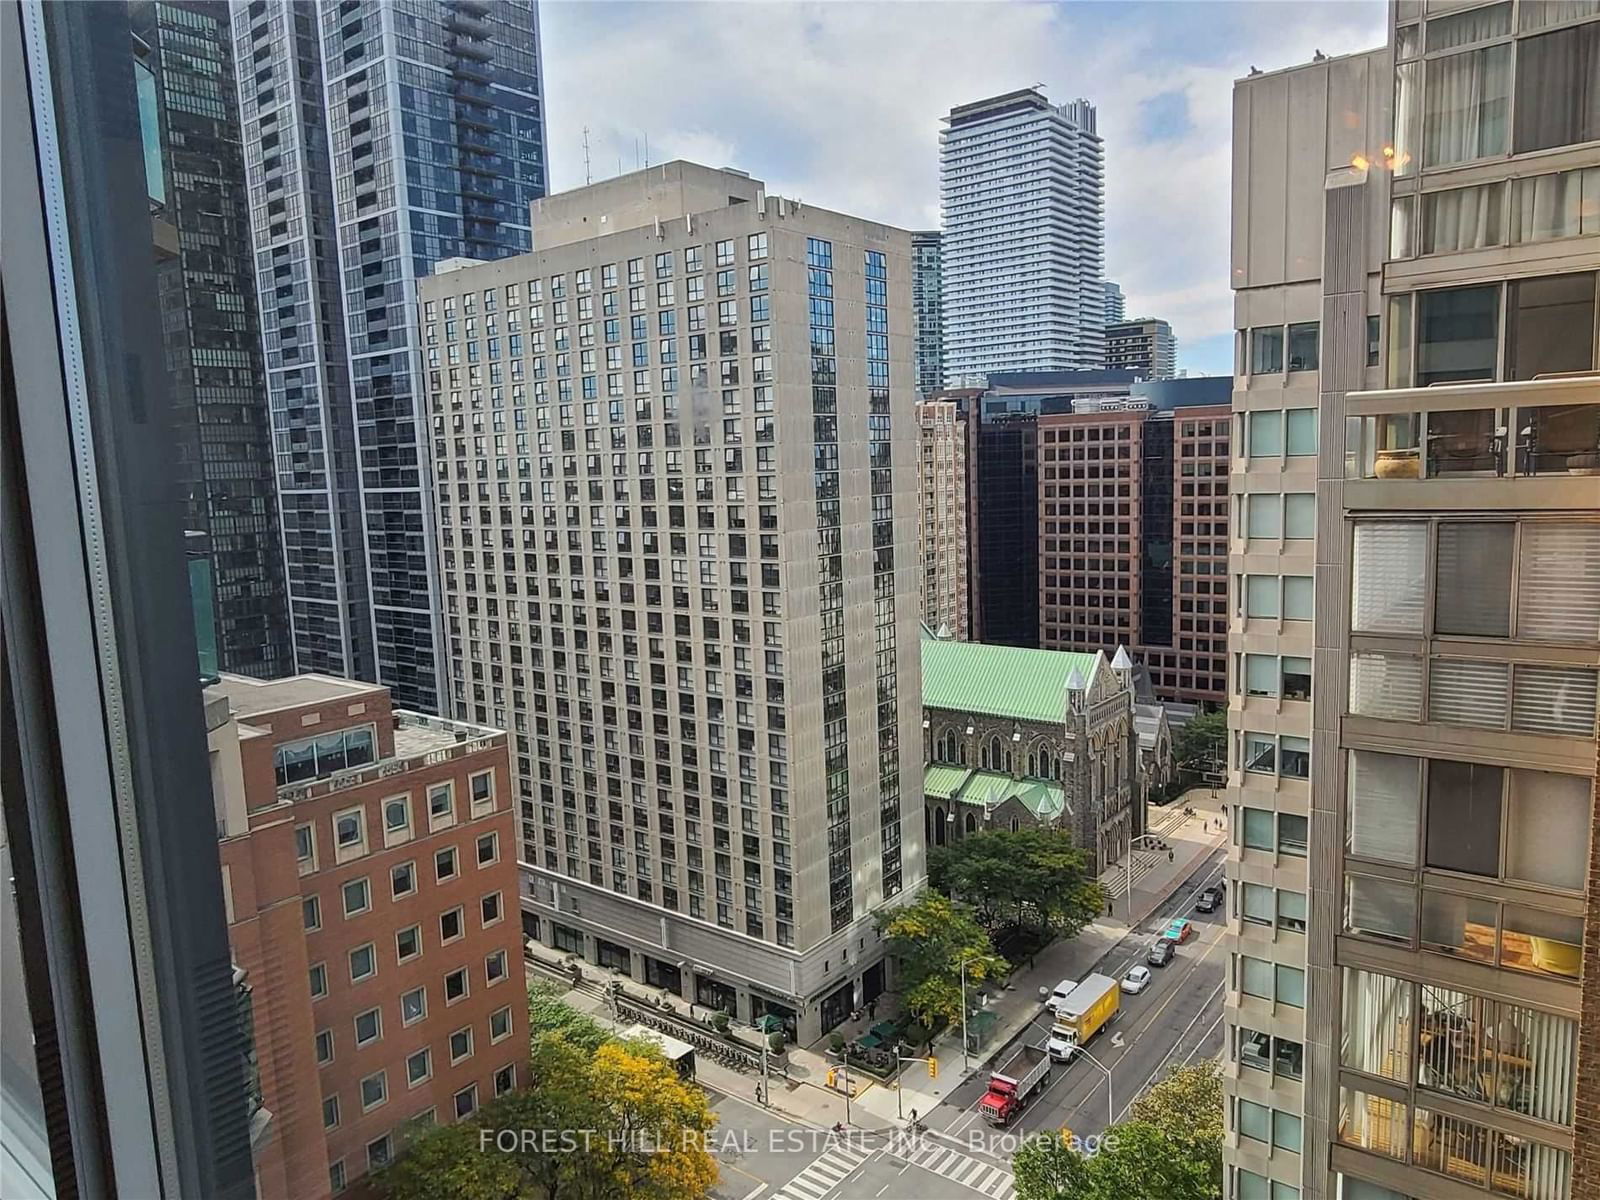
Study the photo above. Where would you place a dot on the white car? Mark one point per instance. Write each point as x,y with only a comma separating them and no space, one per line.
1062,991
1136,980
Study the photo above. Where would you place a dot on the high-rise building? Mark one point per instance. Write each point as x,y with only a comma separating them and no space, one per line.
1022,183
700,460
1116,303
1133,532
1413,1008
942,532
207,294
1145,345
370,882
928,306
374,148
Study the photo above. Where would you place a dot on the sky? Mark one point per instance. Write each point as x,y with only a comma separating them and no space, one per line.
839,104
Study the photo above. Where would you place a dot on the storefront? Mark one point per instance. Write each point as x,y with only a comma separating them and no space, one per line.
566,939
660,974
788,1019
874,981
612,956
715,995
837,1005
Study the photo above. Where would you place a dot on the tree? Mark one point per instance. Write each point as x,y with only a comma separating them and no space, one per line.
549,1014
1197,746
1032,877
1170,1148
930,938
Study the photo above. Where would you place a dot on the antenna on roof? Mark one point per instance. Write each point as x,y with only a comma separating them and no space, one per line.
647,149
586,177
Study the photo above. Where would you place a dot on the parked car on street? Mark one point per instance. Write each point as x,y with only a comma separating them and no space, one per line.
1136,980
1062,991
1161,952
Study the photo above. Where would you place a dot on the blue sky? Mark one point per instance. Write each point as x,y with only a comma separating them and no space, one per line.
839,104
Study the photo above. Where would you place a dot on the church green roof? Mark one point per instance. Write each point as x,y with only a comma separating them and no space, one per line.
1001,681
1044,798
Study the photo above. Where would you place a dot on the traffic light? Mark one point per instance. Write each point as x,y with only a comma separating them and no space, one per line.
933,1068
1066,1135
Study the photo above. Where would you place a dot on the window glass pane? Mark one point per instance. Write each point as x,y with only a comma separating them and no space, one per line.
1460,925
1299,515
1543,943
1403,227
1255,1050
1266,434
1466,106
1463,831
1264,513
1261,596
1296,678
1250,1186
1456,334
1399,368
1303,347
1550,323
1373,1123
1462,29
1255,1120
1292,910
1473,589
1266,350
1550,206
1556,12
1383,806
1388,577
1291,984
1548,829
1297,597
1286,1131
1380,908
1301,424
1467,693
1553,700
1292,834
1537,1077
1558,88
1295,753
1261,674
1258,828
1257,904
1260,753
1375,1033
1463,219
1558,583
1388,686
1255,977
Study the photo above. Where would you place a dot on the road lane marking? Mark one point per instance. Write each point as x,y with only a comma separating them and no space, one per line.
1202,1040
1168,1056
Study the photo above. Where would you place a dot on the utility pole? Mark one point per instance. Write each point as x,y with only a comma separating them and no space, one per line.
586,177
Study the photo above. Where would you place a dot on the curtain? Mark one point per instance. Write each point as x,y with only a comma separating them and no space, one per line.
1465,105
1549,206
1538,13
1461,219
1558,88
1462,29
1405,118
1381,908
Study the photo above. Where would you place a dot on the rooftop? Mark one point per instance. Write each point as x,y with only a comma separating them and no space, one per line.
251,697
1001,681
1044,798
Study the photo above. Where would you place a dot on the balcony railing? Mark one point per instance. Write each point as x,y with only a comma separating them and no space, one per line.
1540,428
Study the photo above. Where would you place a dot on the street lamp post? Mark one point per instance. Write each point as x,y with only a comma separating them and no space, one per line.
965,1062
1104,1070
1133,844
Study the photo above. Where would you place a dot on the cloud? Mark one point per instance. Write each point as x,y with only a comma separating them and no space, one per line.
839,104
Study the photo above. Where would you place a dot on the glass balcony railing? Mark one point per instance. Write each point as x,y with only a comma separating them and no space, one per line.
1553,432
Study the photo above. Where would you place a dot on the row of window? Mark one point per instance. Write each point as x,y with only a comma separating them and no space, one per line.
349,825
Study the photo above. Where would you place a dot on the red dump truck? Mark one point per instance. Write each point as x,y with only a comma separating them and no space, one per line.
1013,1083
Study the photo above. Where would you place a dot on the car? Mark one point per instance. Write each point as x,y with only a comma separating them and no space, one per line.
1061,992
1161,952
1179,929
1136,980
1209,900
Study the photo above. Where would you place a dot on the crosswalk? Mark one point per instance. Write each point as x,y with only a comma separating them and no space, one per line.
824,1175
969,1172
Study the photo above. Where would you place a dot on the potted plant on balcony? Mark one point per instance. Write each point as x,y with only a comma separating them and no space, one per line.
1397,464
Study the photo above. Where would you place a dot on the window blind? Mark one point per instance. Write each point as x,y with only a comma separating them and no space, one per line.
1461,692
1474,578
1386,685
1380,908
1544,1088
1548,830
1384,800
1558,591
1260,674
1387,585
1553,700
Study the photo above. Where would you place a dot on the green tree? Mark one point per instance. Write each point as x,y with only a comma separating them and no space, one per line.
1046,1168
1032,877
549,1014
930,938
1197,747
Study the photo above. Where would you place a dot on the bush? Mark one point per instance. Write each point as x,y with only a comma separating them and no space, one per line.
719,1021
836,1042
916,1035
775,1042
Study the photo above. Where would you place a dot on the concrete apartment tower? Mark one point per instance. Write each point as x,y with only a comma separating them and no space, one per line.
1144,344
1116,303
927,253
378,139
1415,862
680,563
1022,184
942,529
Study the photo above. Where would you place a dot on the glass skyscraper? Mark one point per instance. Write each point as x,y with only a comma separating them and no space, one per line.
379,139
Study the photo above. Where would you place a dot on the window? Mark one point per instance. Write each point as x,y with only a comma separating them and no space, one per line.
350,833
1290,983
1292,911
1266,350
460,1045
1296,678
1300,431
500,1024
1303,346
466,1101
408,943
324,1047
488,849
505,1079
1258,831
363,963
1556,602
378,1152
1374,340
330,1112
413,1005
442,805
318,974
336,1176
1474,578
1383,802
1294,757
1261,596
1558,89
1380,908
374,1090
1388,576
1456,334
1560,205
357,897
1260,675
455,985
494,967
1463,830
1299,515
419,1067
311,913
1548,829
369,1026
490,909
1258,904
1466,106
1264,516
1550,323
1266,434
1255,977
396,820
1247,1185
1468,218
451,926
1292,834
305,848
1286,1131
1260,753
1254,1121
482,785
403,879
444,864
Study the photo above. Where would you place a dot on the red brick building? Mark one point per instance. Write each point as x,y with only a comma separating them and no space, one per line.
369,869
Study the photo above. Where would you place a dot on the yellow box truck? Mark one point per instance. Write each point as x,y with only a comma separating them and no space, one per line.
1084,1013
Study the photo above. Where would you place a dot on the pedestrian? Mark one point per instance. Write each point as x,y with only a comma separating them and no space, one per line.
1169,856
872,1009
1111,908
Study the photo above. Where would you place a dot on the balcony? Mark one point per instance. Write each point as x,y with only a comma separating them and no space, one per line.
1530,444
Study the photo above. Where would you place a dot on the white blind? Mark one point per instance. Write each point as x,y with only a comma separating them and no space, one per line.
1553,700
1558,592
1388,577
1384,800
1547,834
1467,693
1381,908
1473,586
1386,685
1547,1041
1261,674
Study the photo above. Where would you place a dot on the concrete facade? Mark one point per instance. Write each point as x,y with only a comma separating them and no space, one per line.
942,527
927,275
674,487
1144,344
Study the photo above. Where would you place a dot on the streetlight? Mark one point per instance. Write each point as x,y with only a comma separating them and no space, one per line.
1133,844
965,1062
1110,1104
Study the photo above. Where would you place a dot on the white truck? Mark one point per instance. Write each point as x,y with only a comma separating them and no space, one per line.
1083,1014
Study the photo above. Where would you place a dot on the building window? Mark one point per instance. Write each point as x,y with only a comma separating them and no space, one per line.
369,1026
403,880
350,834
490,909
488,849
413,1005
441,806
1266,350
357,895
336,1180
445,865
505,1079
363,963
499,1025
1388,577
1247,1185
455,985
1457,334
330,1112
494,967
466,1101
1466,105
460,1045
1303,347
324,1047
396,820
1550,322
451,926
311,913
482,785
318,975
1558,89
305,848
419,1067
408,943
374,1090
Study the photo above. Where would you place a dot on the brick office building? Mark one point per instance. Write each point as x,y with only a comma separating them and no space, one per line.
370,875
